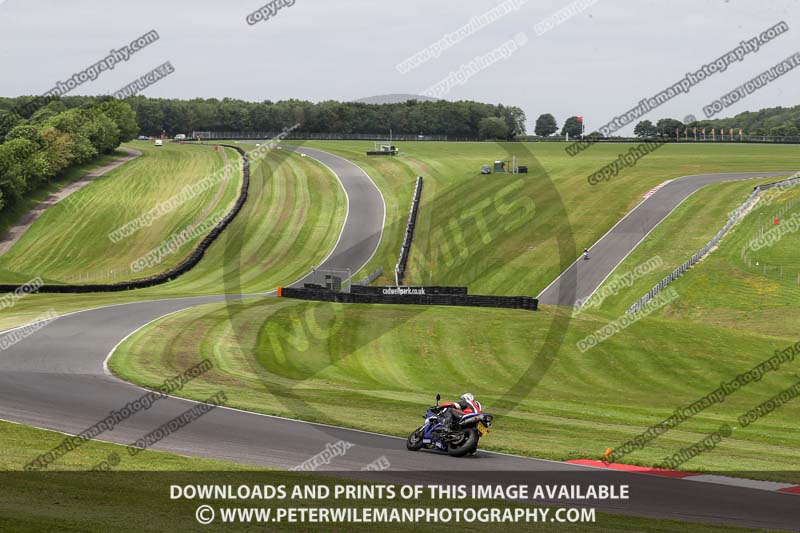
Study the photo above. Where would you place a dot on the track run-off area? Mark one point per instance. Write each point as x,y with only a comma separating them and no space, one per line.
57,379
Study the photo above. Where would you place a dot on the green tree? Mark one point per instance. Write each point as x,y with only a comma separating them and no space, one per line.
667,126
545,125
572,127
29,132
645,128
123,116
493,128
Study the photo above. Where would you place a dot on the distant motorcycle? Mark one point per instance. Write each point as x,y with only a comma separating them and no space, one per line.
456,435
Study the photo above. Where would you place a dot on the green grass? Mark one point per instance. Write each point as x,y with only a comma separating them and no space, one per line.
517,250
725,322
69,243
340,364
135,496
291,220
11,214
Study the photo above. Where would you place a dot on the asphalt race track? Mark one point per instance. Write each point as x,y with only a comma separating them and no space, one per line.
607,253
55,379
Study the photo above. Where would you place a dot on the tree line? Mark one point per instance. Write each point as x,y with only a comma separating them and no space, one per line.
774,121
40,147
43,137
463,119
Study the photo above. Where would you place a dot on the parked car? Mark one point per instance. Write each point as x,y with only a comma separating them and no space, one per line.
486,169
143,138
522,169
159,142
180,137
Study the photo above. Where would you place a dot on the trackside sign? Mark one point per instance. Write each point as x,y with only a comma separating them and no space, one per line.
403,290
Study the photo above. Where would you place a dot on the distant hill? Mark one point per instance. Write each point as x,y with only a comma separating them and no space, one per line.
394,99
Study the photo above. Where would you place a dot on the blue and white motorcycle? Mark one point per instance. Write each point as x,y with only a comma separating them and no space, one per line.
448,429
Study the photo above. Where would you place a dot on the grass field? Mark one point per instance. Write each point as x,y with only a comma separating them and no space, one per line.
135,496
606,392
533,224
340,363
291,221
66,246
299,359
11,214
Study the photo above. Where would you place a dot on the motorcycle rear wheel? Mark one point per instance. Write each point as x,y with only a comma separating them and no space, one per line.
468,445
414,441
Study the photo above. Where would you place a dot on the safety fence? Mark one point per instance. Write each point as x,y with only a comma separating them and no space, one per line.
163,277
735,216
369,278
308,136
326,295
402,261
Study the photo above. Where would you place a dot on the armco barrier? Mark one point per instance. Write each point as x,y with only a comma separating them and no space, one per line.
672,276
186,265
324,295
366,280
402,261
360,289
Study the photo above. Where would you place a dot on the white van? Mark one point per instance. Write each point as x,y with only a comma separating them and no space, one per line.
180,137
159,142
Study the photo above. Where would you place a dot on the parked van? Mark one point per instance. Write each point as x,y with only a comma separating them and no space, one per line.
159,142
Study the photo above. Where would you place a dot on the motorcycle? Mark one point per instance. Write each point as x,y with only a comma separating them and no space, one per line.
458,436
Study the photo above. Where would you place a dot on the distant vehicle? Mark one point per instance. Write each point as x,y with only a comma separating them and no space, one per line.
522,169
180,137
143,138
386,149
486,169
159,142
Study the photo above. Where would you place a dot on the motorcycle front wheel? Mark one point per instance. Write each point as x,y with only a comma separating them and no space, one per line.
466,445
414,441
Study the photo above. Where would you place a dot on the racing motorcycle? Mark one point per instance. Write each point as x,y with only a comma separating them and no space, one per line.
456,435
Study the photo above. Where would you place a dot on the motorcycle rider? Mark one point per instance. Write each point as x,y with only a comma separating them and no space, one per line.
453,411
586,253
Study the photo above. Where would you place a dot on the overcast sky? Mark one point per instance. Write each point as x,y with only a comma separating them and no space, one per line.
598,63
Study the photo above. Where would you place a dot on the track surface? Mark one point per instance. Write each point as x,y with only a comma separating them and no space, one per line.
607,253
55,379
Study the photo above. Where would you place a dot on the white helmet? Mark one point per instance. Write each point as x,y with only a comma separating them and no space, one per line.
471,402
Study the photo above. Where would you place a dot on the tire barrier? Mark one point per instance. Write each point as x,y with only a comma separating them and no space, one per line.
402,261
186,265
737,214
325,295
